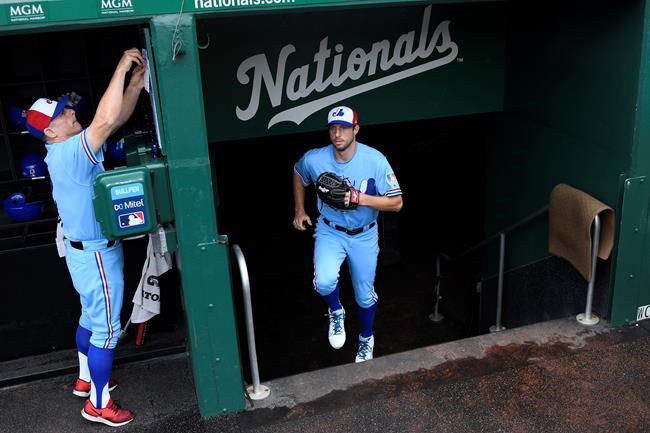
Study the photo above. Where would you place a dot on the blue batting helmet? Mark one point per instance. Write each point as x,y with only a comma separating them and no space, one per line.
115,150
19,209
33,165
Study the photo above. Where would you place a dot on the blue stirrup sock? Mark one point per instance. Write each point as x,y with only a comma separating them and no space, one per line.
83,343
367,318
333,299
100,363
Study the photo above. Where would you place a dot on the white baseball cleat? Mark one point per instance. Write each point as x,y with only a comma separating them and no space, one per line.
336,332
366,346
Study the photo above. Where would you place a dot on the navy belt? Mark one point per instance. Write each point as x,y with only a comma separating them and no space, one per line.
351,232
80,245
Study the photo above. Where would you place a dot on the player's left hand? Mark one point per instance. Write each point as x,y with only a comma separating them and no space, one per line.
337,191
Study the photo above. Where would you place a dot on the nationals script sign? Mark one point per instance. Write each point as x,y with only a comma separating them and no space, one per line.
280,74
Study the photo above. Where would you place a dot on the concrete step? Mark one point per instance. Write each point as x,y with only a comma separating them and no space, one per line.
565,334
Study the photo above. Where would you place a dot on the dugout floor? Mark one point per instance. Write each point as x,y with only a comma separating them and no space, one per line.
551,377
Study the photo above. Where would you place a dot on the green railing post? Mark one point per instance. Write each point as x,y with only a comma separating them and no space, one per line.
204,261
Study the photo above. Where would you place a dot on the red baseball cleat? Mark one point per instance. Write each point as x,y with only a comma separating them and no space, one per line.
82,388
112,415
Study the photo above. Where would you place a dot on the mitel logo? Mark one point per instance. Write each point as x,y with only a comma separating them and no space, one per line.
108,7
381,63
26,12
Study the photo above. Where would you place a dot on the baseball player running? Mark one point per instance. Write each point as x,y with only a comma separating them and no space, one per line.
74,158
353,183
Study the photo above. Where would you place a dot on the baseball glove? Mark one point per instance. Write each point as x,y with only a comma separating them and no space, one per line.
332,190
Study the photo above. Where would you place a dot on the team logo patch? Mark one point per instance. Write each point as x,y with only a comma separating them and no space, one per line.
368,186
391,179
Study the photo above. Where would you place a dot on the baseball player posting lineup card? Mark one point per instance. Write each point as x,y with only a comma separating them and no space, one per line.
74,158
353,183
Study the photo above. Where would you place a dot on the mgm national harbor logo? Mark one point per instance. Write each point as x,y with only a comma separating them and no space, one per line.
27,12
356,70
114,7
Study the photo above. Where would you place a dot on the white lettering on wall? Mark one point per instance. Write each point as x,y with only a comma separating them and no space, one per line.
382,55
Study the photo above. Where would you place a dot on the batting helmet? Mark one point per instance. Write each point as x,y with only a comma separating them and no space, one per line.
19,209
33,165
115,150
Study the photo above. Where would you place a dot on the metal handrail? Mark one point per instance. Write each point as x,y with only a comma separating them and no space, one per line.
501,234
586,318
516,225
256,391
436,316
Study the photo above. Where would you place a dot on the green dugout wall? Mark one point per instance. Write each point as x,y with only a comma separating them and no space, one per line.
568,81
574,79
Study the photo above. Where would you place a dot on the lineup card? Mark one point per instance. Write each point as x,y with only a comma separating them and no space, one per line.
150,88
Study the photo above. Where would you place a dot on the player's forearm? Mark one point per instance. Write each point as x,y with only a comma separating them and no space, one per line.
298,194
129,101
381,203
110,106
108,112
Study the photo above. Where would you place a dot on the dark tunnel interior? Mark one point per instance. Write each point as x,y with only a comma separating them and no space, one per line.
440,165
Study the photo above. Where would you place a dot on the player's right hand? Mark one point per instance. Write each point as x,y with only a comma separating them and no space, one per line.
301,221
129,58
137,77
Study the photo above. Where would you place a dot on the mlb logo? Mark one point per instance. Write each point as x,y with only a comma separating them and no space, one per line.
131,219
392,179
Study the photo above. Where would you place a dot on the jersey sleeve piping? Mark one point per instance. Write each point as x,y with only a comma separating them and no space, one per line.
393,192
87,149
302,179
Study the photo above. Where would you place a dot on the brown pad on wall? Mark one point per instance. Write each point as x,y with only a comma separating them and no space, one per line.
571,214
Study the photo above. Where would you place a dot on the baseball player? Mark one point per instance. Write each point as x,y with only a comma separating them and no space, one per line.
353,183
74,158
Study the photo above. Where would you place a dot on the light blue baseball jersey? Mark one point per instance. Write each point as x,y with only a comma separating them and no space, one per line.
368,171
73,167
97,270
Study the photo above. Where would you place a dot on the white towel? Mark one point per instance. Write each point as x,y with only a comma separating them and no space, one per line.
60,240
146,301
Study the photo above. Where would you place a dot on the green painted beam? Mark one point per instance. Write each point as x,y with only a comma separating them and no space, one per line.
20,14
204,261
641,145
632,279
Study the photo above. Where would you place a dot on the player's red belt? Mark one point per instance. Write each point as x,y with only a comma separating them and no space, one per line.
80,245
351,232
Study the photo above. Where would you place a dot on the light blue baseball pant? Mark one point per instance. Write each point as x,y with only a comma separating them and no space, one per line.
332,247
98,276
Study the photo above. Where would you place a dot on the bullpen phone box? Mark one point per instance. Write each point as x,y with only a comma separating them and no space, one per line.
123,202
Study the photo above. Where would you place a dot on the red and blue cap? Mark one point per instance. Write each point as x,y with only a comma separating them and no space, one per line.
343,116
41,114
